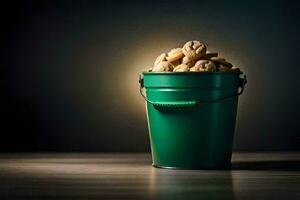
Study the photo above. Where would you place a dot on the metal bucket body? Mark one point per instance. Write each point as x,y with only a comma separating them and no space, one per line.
191,118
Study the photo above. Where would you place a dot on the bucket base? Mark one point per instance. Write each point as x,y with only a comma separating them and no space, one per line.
192,168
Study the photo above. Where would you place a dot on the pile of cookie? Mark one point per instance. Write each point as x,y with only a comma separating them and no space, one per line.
192,57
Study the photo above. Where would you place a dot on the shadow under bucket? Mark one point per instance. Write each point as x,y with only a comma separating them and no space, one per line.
191,117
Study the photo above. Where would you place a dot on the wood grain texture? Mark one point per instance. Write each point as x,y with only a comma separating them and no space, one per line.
131,176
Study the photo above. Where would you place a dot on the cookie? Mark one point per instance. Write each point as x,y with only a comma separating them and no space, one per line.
235,69
222,68
194,49
204,66
217,59
181,68
175,63
221,61
194,69
174,55
160,58
163,66
188,61
208,55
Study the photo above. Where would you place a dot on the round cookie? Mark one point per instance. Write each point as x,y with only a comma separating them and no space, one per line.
210,55
218,59
160,58
204,66
175,63
174,55
222,68
163,66
194,49
181,68
235,69
189,62
194,69
221,61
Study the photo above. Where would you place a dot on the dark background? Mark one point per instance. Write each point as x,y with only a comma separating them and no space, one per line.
69,69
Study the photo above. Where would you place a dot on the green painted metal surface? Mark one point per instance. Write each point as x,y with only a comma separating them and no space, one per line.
191,117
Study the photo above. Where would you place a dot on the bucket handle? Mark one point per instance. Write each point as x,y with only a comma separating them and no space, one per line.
189,104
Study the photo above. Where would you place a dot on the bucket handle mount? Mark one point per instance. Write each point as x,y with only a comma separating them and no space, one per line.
189,104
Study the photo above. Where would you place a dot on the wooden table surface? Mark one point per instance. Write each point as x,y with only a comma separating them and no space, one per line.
131,176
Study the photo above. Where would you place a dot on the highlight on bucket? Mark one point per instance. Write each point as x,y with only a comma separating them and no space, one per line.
191,99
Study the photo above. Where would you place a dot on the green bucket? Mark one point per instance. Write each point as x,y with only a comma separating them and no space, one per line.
191,117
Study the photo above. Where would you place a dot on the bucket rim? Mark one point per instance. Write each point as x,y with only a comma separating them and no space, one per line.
190,73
